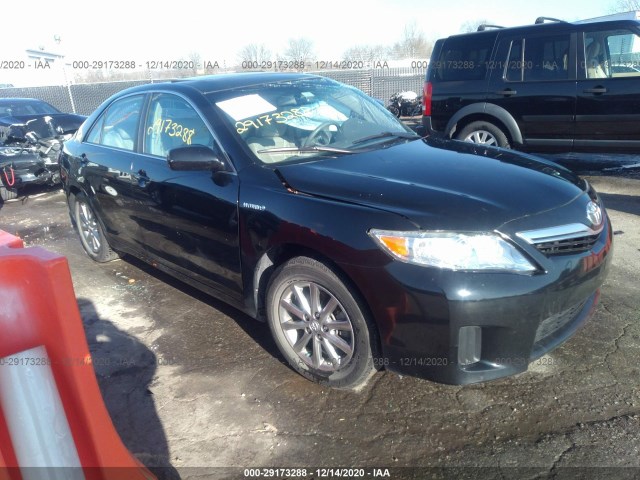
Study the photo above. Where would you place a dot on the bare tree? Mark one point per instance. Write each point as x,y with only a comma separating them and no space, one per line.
300,49
366,53
625,6
92,76
472,25
413,43
254,52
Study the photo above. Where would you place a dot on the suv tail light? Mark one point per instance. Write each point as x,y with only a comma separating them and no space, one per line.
426,98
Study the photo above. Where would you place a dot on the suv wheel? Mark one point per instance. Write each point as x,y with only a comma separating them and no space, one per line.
318,324
484,133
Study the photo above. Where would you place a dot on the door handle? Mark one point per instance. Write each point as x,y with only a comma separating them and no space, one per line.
596,90
507,93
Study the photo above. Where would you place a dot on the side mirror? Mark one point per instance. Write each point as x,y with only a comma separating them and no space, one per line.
194,157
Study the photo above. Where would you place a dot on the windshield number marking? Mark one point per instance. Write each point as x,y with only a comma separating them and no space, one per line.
172,129
278,117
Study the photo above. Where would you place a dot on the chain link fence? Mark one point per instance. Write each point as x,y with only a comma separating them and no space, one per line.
85,98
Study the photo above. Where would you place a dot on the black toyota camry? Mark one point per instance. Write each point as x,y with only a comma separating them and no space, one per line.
303,202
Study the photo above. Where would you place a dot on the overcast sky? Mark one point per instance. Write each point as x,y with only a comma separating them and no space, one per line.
159,30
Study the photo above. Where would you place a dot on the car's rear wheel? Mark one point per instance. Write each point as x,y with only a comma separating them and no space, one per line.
320,327
484,133
7,193
90,231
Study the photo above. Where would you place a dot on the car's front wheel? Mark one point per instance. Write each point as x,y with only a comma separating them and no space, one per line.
320,327
90,231
484,133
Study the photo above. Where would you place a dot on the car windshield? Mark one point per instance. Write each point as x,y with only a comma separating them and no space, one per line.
311,117
32,107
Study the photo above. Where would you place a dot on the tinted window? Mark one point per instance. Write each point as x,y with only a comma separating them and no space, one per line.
118,125
464,59
546,58
614,53
171,123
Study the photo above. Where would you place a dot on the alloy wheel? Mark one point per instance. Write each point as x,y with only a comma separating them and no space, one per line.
316,326
89,228
481,136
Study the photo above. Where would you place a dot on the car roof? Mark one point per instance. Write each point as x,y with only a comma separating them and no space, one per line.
227,81
550,27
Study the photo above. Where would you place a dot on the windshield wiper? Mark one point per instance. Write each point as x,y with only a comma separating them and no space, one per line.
385,135
304,150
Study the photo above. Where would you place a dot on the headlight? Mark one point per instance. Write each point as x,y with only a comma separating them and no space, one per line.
454,251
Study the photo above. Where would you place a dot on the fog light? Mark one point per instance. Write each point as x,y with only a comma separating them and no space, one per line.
469,345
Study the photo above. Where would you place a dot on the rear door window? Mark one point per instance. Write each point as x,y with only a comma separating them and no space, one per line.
117,127
535,59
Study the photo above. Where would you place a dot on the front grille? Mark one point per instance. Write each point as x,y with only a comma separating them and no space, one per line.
564,239
569,245
551,325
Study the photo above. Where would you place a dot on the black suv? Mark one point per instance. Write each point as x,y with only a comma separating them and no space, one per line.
551,86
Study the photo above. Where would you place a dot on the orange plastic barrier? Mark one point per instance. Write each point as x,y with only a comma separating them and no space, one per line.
39,313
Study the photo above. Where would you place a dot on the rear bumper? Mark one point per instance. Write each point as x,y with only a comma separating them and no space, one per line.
427,127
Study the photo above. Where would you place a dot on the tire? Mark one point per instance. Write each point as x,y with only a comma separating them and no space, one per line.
484,133
7,193
395,110
90,232
339,357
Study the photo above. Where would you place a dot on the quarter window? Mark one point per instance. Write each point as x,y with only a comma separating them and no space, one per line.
462,59
171,123
117,127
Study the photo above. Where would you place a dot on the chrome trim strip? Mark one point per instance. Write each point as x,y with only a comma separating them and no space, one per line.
561,232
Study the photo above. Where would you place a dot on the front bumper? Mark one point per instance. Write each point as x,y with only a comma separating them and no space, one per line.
466,327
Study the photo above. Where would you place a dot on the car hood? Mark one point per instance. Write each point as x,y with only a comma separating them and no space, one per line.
44,125
440,184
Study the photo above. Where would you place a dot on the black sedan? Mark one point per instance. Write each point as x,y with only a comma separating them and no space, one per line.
302,201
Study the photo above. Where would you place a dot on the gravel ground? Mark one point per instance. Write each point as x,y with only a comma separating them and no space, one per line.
197,389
